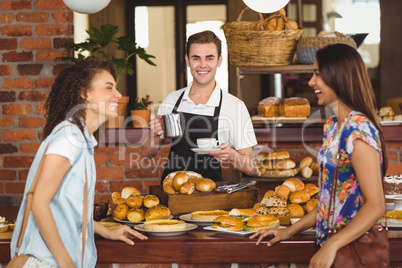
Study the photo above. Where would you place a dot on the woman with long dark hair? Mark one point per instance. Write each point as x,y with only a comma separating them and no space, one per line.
340,81
82,98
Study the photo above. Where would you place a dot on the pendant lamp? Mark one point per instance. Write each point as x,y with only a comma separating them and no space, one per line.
86,6
266,6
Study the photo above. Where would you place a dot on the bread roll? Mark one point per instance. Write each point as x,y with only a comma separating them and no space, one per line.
116,199
311,189
386,111
261,222
299,196
168,188
205,185
187,187
157,212
294,184
191,175
274,201
269,107
311,205
295,210
256,205
164,225
241,213
278,155
261,156
291,24
306,162
268,194
283,191
296,107
306,172
127,191
134,201
262,210
178,180
135,215
120,212
151,201
278,211
314,168
267,164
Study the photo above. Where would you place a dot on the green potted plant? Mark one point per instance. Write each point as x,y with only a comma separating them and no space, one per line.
141,113
97,43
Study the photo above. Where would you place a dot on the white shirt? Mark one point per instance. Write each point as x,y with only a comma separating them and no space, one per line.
235,125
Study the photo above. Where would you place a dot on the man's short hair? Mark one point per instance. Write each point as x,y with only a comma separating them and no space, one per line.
204,37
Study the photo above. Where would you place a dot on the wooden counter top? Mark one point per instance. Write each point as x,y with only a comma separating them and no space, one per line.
203,246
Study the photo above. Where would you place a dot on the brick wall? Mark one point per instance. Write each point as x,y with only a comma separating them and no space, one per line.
31,35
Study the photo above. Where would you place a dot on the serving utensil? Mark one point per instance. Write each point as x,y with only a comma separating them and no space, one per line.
235,187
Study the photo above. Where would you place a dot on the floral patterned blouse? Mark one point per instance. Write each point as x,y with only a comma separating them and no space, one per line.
349,198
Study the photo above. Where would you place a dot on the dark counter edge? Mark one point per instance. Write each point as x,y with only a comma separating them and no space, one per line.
273,134
206,251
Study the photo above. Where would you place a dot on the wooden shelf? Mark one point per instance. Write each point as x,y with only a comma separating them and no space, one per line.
296,68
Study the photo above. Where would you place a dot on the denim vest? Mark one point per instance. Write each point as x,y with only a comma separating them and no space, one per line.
67,203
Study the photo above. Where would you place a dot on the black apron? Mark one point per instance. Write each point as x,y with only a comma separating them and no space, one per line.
194,126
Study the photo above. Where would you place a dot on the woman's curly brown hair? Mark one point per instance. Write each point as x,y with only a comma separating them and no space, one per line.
70,85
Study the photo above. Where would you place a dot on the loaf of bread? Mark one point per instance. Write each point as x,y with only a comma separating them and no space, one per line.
296,107
270,107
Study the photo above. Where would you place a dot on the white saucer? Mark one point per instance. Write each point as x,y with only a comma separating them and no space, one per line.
189,227
205,150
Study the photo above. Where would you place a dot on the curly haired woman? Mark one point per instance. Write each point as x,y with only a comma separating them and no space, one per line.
82,98
340,81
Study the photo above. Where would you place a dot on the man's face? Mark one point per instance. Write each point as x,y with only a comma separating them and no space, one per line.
203,61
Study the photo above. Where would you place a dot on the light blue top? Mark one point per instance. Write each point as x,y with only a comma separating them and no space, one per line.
68,202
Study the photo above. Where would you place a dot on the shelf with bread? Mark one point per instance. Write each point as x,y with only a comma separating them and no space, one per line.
279,165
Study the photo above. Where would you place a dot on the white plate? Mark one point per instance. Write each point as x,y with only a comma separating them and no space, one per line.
396,196
189,227
187,218
204,151
210,228
390,123
392,223
308,231
133,223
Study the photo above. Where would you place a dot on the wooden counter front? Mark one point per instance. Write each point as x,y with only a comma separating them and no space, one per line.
202,246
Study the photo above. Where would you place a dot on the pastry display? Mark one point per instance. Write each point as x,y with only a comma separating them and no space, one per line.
183,182
288,107
393,185
386,113
137,208
274,164
292,198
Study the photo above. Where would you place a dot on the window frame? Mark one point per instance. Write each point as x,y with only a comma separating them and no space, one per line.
180,7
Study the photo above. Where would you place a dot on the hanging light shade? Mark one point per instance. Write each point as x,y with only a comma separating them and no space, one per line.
266,6
86,6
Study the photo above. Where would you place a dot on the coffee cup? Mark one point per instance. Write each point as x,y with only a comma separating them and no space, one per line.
207,143
171,125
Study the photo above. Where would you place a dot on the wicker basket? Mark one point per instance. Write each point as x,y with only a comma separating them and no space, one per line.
249,47
308,46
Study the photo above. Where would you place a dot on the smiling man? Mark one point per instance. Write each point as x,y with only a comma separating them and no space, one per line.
205,112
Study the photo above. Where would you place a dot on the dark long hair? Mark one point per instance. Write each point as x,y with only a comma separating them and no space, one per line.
342,69
68,90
